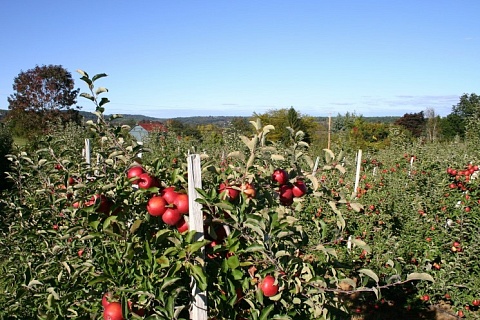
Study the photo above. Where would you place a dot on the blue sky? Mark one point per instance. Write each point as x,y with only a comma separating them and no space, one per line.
186,58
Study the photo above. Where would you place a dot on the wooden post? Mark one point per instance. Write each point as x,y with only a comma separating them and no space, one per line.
199,304
357,176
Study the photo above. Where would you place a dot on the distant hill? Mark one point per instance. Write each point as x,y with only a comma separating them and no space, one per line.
219,121
125,117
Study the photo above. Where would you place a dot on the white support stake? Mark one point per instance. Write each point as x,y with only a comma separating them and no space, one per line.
87,151
199,306
315,167
357,176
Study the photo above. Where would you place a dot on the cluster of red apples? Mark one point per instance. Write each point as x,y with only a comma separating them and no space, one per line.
170,205
287,190
461,176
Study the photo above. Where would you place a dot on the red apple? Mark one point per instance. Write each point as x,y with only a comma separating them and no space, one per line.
157,206
249,190
169,194
106,299
268,286
181,203
182,225
232,193
134,172
286,195
113,311
146,181
280,176
103,206
299,188
71,181
171,216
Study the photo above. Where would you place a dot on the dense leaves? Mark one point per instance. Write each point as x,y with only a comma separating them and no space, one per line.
78,233
42,95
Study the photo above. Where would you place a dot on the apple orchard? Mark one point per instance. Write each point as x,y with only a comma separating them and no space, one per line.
287,233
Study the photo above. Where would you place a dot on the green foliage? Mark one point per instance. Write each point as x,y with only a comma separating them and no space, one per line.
6,146
288,118
76,230
241,126
452,126
184,130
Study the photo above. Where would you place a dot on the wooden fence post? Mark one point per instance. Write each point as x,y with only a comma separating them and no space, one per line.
199,305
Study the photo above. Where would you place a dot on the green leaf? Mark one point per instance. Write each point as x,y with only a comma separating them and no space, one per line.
255,247
329,156
170,307
199,275
340,168
148,250
136,225
194,247
420,276
99,279
87,81
98,76
237,274
169,281
236,154
266,312
163,261
87,96
103,101
34,283
233,262
268,128
369,273
356,206
82,73
101,90
281,253
277,157
361,244
109,221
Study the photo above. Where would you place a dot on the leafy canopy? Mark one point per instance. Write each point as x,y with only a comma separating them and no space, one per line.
42,95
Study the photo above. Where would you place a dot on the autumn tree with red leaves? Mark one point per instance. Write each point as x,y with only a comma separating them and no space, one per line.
43,95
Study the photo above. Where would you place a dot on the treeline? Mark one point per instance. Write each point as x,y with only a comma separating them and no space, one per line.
45,97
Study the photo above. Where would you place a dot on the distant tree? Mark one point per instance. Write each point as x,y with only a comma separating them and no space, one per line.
42,95
182,129
241,125
413,122
283,118
210,133
464,112
432,125
345,122
293,119
467,106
